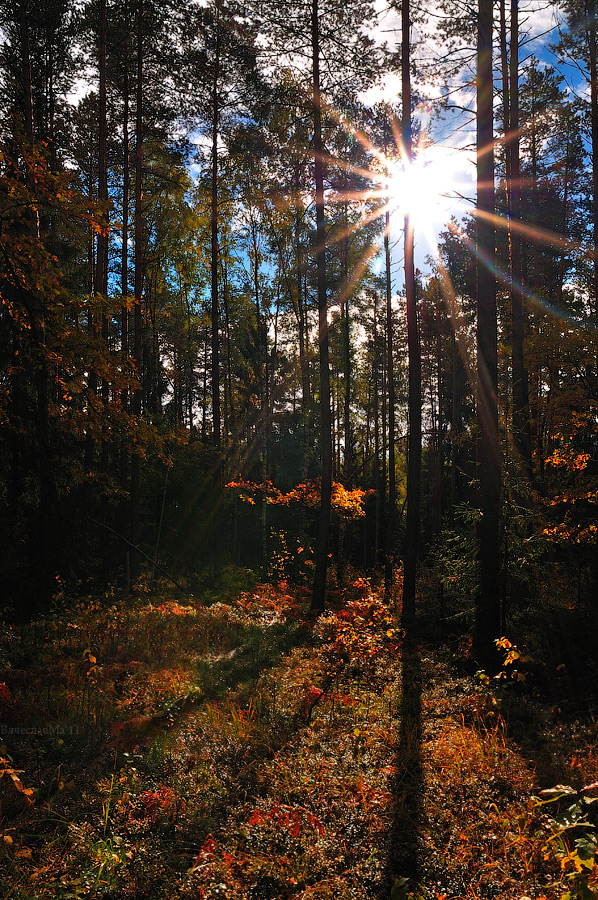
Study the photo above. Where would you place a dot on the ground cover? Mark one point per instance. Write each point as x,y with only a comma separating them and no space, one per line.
164,748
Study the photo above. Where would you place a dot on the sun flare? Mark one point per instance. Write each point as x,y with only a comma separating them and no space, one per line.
426,188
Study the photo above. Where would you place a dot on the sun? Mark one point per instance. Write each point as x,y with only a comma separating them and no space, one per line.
426,188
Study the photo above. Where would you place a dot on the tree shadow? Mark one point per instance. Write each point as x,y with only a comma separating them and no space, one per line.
257,648
403,863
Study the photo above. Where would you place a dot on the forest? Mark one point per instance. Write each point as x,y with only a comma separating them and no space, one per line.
299,442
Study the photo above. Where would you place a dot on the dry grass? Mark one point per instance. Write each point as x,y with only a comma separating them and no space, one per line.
240,751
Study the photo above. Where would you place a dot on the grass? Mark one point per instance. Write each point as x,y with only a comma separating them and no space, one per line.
246,750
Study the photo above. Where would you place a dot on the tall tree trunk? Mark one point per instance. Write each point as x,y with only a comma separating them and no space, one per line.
229,408
204,390
45,546
455,430
593,54
303,323
51,99
262,420
521,412
414,400
487,623
347,469
101,274
216,423
124,289
533,274
389,548
138,287
26,71
506,103
438,426
124,278
101,282
17,388
321,560
377,467
348,454
190,364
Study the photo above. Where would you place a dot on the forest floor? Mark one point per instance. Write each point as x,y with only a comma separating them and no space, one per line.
164,748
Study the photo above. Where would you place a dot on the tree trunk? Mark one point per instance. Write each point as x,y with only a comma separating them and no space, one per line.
26,72
101,283
348,454
592,47
487,623
17,388
101,275
437,479
124,289
138,288
321,556
521,413
303,324
414,400
46,509
216,423
377,467
389,548
124,278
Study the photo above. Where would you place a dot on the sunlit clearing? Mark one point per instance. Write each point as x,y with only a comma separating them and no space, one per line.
428,189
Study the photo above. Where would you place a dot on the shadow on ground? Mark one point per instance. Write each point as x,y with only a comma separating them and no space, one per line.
402,868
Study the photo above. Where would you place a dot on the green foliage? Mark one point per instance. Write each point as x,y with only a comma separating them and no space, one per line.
400,891
231,580
453,559
572,825
453,562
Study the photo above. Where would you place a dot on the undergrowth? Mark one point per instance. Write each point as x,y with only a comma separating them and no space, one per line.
157,748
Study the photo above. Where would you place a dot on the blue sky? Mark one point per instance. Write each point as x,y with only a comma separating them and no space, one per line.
452,134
